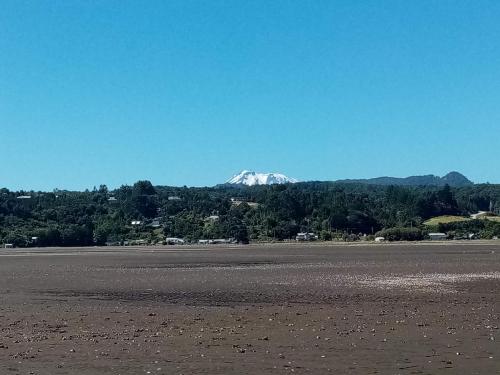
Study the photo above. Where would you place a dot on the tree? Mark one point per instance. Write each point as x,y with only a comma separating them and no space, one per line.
144,199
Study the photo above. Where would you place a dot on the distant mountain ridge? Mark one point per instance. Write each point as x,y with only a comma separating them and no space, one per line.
453,179
250,178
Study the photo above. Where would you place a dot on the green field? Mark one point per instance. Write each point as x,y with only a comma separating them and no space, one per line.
454,219
445,219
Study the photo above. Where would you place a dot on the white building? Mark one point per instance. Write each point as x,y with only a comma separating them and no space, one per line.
174,241
156,224
306,237
217,241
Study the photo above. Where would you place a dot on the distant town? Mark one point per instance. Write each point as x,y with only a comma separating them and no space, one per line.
272,208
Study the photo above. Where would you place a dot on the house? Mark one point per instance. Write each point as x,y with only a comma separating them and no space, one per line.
174,198
24,197
484,215
112,199
9,246
238,201
219,241
174,241
479,214
306,237
212,218
437,236
379,239
155,224
135,222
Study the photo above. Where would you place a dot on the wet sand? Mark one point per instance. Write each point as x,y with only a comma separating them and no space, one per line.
270,309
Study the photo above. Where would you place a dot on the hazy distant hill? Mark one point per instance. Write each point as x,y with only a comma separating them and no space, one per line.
454,179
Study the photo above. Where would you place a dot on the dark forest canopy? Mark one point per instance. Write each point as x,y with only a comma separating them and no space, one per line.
259,213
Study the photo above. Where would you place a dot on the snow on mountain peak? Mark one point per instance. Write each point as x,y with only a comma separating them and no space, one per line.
252,178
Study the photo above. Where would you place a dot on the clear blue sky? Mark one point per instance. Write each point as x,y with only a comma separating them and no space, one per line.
191,92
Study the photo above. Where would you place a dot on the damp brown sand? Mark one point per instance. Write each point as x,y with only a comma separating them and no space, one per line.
386,309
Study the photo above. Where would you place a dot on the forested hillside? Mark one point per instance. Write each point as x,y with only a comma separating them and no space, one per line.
260,213
454,179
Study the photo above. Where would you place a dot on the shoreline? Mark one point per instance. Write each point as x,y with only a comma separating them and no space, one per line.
270,245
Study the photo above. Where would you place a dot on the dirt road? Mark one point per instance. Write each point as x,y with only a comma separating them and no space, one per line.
380,309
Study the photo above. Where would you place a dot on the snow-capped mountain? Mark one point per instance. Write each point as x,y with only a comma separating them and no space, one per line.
252,178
